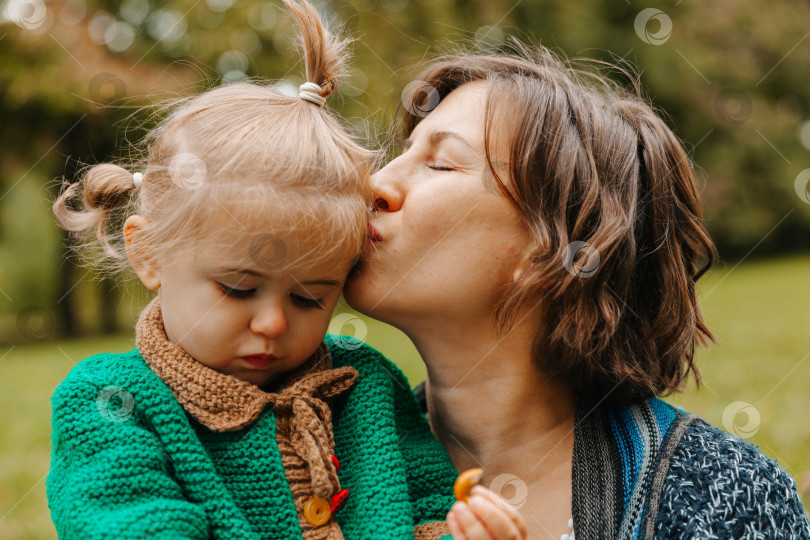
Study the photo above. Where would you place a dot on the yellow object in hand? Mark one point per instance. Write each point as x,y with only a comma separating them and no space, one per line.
465,482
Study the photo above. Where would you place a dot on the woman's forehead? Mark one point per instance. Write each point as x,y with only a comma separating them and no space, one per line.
462,115
461,111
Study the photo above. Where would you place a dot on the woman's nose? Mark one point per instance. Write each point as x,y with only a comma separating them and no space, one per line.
270,321
387,188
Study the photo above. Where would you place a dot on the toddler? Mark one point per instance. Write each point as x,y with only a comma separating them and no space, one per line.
235,417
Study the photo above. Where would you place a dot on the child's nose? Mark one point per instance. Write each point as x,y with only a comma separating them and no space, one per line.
270,321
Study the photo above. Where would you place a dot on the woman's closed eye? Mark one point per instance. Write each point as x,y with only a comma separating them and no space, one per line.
439,167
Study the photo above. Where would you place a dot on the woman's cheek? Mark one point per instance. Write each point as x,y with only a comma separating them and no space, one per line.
426,227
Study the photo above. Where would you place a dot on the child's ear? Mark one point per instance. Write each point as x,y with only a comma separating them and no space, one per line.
145,265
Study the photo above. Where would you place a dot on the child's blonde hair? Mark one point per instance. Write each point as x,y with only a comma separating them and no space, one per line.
244,151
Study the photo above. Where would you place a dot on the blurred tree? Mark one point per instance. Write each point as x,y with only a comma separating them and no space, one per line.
74,74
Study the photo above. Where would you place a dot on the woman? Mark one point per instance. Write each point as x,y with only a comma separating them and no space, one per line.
539,239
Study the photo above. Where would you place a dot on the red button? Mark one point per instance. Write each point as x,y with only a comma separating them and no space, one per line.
335,462
338,500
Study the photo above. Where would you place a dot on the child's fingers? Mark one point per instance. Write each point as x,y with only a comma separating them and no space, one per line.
495,519
455,528
514,516
468,525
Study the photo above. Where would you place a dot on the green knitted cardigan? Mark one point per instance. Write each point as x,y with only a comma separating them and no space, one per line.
148,469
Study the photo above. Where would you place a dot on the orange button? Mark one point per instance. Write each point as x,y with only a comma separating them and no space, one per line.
316,511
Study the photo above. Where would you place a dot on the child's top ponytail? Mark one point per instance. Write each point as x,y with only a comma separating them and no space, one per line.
237,159
324,53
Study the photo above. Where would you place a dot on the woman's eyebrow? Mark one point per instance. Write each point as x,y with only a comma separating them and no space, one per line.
437,137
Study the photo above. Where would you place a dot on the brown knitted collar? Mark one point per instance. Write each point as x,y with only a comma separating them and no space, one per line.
223,402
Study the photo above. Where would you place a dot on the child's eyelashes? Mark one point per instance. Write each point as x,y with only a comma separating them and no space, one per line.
297,299
307,302
236,293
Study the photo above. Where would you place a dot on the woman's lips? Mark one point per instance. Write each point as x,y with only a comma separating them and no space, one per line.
373,237
260,361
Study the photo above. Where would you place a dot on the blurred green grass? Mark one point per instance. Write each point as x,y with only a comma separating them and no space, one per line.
759,310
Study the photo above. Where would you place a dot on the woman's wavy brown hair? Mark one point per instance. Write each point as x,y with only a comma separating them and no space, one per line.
607,192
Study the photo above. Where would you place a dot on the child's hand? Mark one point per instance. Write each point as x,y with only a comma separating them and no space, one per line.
485,517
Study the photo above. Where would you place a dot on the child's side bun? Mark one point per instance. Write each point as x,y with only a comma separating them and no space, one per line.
105,187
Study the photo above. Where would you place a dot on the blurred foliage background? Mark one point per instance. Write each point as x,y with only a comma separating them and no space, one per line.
78,79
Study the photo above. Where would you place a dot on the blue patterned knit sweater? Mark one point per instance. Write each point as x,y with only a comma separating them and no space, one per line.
721,487
651,470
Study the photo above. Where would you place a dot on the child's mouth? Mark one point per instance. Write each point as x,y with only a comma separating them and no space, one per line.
260,361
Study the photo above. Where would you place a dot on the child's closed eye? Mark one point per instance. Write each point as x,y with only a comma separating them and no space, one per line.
236,293
297,299
306,301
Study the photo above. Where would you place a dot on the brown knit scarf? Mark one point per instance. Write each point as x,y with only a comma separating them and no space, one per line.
223,402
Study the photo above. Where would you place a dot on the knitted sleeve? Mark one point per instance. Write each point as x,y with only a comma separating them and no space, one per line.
430,474
383,409
719,486
109,476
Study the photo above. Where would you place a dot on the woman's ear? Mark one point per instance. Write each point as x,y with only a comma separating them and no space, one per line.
525,258
138,253
530,260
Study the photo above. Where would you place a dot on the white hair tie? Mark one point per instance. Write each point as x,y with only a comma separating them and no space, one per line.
312,93
137,179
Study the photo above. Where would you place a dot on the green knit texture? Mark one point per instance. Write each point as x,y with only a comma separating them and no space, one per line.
127,461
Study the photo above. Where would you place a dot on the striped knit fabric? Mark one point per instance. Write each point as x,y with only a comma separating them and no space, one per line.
129,462
651,470
619,454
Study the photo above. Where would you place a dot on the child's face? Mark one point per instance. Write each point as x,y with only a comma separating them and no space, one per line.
223,305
